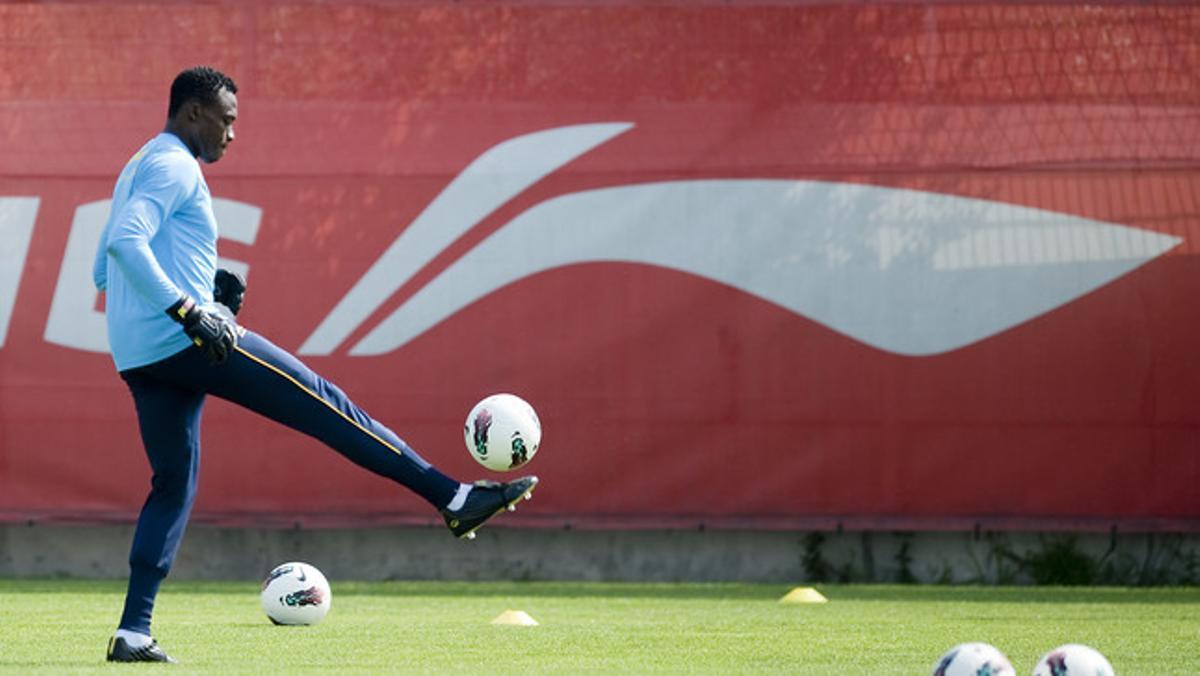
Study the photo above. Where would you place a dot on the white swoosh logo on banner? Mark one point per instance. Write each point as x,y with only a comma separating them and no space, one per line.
494,178
908,272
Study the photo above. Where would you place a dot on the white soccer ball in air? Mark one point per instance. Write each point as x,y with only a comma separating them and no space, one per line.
502,432
1073,659
296,593
973,659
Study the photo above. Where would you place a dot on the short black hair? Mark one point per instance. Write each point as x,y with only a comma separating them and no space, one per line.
201,82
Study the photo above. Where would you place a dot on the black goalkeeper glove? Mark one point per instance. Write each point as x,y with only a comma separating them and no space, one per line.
229,289
210,331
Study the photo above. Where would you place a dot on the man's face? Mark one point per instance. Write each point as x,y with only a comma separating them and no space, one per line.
214,126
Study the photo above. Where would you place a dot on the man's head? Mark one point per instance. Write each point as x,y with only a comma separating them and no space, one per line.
202,111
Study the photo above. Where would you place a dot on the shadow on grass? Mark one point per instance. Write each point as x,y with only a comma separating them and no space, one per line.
986,594
566,589
681,591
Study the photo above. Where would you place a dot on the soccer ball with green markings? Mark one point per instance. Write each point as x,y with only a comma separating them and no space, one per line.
502,432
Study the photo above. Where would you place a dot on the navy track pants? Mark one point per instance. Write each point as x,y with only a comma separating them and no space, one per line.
169,396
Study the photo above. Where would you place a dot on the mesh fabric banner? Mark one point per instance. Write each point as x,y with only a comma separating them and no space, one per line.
771,265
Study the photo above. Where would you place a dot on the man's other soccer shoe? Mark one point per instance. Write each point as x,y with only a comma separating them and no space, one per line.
119,651
487,499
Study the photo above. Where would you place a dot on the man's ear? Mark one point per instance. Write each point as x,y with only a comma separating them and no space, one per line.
191,110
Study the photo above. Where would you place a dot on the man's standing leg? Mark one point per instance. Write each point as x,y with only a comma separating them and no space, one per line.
169,420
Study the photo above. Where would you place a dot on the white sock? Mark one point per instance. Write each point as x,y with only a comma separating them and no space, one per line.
133,639
460,498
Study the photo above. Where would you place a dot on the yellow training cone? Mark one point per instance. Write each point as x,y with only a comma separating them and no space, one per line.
803,595
517,618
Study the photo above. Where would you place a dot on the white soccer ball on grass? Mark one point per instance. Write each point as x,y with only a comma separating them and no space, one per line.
502,432
1073,659
296,593
973,659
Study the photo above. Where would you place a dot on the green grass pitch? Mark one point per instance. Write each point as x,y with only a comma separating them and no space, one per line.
61,626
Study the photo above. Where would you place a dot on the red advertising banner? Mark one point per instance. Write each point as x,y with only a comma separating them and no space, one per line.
769,265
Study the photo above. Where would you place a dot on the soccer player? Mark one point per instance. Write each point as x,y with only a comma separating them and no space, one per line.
172,346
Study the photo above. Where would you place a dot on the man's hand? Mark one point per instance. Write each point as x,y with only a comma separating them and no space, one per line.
210,331
229,289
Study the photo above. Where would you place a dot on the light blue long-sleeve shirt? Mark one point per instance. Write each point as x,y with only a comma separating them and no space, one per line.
160,243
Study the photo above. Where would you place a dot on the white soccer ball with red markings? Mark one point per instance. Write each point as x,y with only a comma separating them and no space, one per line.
296,593
973,659
502,432
1073,659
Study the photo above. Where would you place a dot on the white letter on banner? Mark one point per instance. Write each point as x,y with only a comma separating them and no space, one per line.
237,221
17,215
74,321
